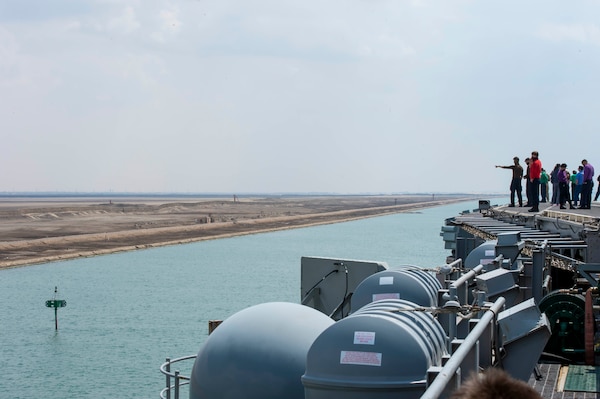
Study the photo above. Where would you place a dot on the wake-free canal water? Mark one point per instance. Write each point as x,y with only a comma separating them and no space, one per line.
127,312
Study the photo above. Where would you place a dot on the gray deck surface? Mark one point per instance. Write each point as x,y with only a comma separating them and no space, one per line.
547,386
594,210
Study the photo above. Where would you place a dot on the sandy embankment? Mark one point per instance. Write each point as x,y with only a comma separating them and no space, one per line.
42,232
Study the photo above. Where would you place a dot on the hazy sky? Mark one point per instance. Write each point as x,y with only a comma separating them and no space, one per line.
352,96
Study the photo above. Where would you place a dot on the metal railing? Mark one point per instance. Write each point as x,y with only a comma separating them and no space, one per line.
178,379
448,373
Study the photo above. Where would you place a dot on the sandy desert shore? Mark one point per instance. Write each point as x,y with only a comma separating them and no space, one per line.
41,230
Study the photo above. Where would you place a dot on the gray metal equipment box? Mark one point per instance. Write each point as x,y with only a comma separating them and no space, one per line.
524,333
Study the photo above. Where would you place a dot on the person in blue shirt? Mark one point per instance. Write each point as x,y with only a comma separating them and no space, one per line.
578,185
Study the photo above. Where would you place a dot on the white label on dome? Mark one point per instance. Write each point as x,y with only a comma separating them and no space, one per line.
387,280
485,261
360,358
364,338
390,295
490,252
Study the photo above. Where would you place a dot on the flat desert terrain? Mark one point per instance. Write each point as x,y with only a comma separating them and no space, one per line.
37,230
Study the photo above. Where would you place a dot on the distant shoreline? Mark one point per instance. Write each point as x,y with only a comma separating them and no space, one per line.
167,224
75,194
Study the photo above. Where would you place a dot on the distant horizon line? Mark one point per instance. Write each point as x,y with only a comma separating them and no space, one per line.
7,194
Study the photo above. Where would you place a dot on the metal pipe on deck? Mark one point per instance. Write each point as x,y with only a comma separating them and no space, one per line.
454,300
448,372
537,273
462,280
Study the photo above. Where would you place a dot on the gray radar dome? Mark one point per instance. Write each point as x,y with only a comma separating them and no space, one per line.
382,351
411,284
258,353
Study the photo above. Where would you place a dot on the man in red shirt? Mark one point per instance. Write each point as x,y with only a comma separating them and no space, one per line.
535,171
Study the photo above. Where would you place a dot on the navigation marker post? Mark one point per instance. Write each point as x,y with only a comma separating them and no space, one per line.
56,303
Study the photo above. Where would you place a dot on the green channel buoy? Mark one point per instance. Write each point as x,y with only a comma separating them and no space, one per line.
56,303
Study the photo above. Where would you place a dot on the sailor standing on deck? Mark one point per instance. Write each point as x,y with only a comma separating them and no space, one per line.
578,185
535,171
527,184
563,184
544,179
515,184
588,185
554,181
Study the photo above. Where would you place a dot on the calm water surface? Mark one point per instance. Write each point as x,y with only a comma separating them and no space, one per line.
126,312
